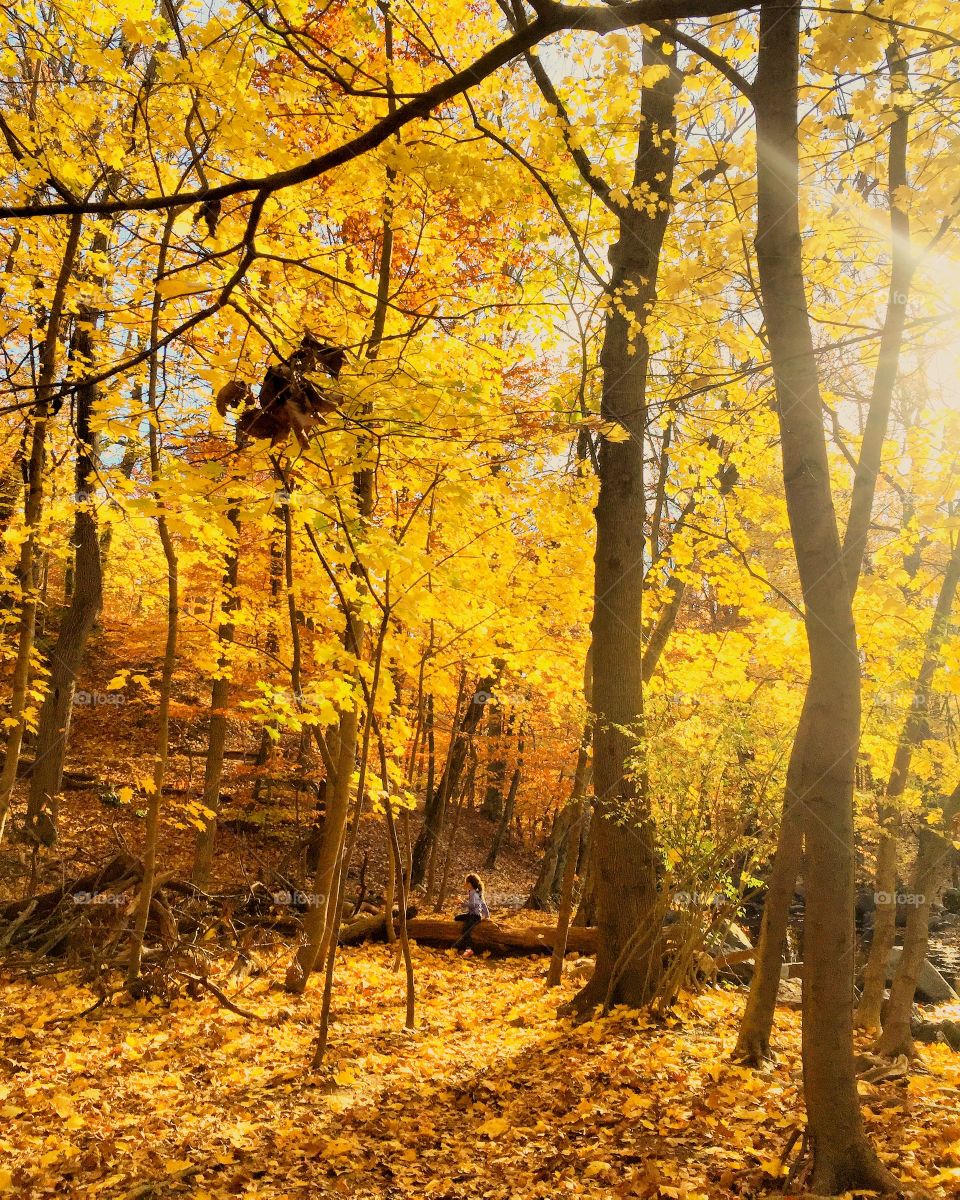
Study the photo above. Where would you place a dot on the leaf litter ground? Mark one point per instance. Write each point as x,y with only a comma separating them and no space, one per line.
492,1096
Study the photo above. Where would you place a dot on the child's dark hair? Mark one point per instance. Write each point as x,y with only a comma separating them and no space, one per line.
475,882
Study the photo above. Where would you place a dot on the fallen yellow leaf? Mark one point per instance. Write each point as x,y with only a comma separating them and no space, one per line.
495,1127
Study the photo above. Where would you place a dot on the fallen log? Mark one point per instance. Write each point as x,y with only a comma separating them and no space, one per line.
365,928
71,781
488,935
122,869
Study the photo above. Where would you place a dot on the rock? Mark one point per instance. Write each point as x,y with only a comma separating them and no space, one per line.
951,900
937,1031
736,938
931,985
789,993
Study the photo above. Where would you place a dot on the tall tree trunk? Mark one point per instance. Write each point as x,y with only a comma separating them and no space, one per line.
492,805
830,725
271,646
219,699
933,855
915,729
902,267
323,915
53,729
867,1015
565,913
155,799
624,847
335,851
541,894
450,778
753,1043
465,797
33,510
506,816
753,1040
561,842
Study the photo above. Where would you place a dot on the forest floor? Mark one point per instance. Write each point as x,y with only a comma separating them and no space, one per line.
112,744
493,1095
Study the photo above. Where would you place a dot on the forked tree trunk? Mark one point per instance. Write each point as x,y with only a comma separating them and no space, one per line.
753,1040
624,845
565,913
33,511
560,844
492,806
753,1043
53,730
915,729
867,1015
449,779
830,725
506,816
933,856
542,895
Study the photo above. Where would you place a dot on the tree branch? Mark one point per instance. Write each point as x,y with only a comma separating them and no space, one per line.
552,18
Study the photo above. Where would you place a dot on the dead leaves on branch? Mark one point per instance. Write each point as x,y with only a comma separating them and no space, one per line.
492,1096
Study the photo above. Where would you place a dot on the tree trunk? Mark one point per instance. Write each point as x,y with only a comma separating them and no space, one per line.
219,699
390,888
586,913
53,731
272,644
753,1041
541,894
624,846
33,510
830,725
449,779
753,1044
867,1015
466,796
933,855
155,799
435,807
506,816
492,806
915,729
404,951
902,266
322,916
565,914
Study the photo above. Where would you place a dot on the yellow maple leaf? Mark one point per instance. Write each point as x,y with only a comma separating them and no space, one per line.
494,1127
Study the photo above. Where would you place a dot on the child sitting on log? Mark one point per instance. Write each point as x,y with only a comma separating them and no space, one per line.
476,911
